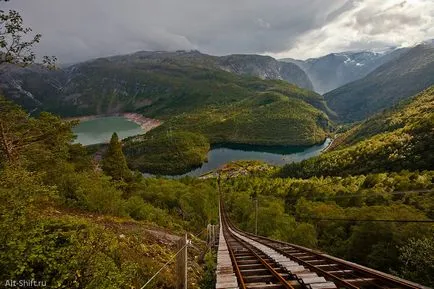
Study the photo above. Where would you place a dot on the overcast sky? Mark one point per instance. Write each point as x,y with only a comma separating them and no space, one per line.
76,30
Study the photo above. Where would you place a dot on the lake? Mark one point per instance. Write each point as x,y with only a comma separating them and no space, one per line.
278,156
100,130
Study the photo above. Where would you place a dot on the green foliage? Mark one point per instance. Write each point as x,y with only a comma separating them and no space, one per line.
399,139
209,278
166,152
248,121
138,209
417,259
52,250
114,163
295,210
65,254
193,200
24,137
38,242
96,193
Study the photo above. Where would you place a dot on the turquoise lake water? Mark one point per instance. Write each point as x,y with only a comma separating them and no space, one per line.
100,130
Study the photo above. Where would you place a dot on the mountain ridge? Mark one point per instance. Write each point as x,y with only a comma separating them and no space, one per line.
388,84
337,69
32,86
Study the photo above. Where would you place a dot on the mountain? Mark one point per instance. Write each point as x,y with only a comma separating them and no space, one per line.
337,69
188,92
401,138
66,91
265,67
395,80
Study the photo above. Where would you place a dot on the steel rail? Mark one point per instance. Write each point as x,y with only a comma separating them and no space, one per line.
237,268
322,272
357,268
248,246
314,268
265,263
381,279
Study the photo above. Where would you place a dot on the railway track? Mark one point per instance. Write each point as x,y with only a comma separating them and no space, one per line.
263,263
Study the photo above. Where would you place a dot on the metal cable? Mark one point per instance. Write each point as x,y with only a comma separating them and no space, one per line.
167,263
170,260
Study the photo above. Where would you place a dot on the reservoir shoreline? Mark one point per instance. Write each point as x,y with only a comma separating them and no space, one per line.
145,123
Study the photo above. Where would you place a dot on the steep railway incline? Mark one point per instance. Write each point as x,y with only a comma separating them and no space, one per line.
226,278
261,263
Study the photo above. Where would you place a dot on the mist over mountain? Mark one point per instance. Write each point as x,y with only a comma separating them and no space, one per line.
336,69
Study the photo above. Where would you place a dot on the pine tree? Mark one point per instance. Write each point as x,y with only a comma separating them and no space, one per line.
114,162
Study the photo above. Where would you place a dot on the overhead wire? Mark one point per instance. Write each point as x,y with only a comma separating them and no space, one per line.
369,220
169,261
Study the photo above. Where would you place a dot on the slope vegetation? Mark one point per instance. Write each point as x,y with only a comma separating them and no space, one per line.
191,93
185,85
166,153
131,82
401,138
70,224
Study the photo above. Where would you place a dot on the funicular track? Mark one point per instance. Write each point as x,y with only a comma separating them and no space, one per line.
260,262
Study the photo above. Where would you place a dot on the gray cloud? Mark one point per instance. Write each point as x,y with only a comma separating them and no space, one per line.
79,30
368,24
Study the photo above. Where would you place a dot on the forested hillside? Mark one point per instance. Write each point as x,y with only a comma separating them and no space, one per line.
67,222
369,199
159,81
82,217
342,216
401,138
189,92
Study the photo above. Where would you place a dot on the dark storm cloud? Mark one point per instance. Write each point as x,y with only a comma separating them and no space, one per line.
78,30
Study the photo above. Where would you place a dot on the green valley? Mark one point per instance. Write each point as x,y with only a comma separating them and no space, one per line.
247,121
401,138
368,199
264,153
188,92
